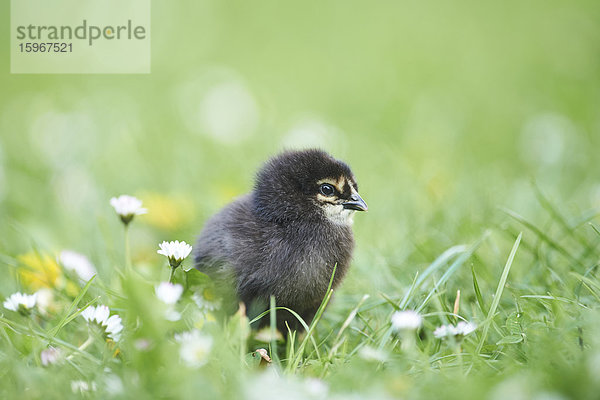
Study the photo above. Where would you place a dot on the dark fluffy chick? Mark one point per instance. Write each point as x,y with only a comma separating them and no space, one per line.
285,237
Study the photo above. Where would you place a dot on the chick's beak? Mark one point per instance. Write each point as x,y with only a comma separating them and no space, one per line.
355,203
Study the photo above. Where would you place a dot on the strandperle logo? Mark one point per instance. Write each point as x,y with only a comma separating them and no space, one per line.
80,36
85,31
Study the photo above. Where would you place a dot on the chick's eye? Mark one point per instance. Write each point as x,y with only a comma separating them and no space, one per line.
327,190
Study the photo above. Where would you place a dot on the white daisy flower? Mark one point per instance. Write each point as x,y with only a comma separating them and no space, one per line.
127,207
406,320
100,315
195,348
369,353
175,251
316,388
461,329
22,303
172,315
168,292
203,304
44,300
82,386
77,263
444,330
113,385
464,328
51,355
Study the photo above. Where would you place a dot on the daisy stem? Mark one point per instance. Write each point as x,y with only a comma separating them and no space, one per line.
459,356
83,346
171,275
86,344
127,249
408,342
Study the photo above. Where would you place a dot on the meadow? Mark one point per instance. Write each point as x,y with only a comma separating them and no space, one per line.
473,130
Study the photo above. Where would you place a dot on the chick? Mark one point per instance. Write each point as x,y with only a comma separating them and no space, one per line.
285,237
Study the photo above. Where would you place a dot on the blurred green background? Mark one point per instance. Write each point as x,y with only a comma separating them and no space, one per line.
446,111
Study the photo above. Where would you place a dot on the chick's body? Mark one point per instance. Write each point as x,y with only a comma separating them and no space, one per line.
285,237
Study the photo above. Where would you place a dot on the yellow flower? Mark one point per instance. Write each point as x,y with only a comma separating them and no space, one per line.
209,294
210,317
168,212
38,270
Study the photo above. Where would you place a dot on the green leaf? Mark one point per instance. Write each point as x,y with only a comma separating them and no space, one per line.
510,339
513,324
179,277
194,278
253,359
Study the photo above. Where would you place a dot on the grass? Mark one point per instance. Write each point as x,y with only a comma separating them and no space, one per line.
473,133
537,336
498,295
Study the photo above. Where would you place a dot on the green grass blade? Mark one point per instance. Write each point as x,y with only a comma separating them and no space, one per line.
594,228
452,269
477,291
499,290
345,325
76,313
586,280
390,301
297,316
552,243
273,324
19,328
63,321
313,324
310,332
438,263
